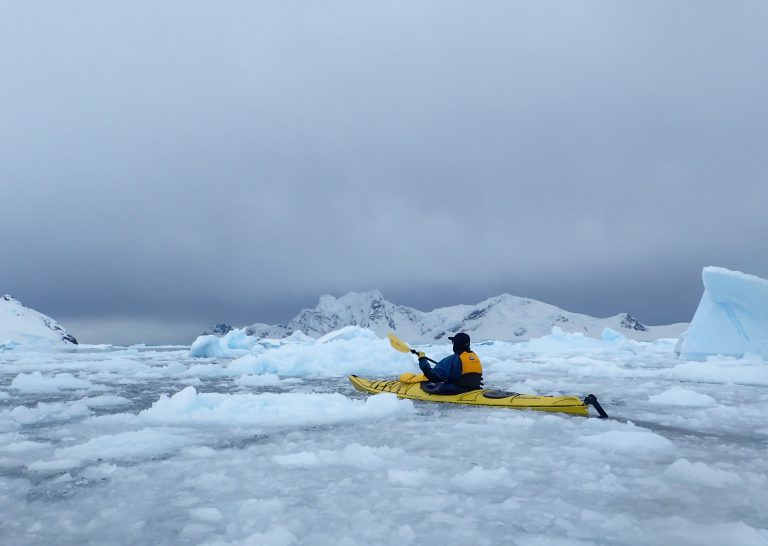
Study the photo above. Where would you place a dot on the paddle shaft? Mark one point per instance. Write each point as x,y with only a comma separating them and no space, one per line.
417,352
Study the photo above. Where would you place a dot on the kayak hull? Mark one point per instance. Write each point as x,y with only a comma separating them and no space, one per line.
481,397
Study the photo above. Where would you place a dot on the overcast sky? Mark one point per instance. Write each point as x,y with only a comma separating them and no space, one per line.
168,165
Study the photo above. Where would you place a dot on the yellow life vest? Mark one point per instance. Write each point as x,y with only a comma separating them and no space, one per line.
470,363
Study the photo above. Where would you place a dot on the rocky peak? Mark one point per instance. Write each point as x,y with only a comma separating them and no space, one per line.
631,323
219,330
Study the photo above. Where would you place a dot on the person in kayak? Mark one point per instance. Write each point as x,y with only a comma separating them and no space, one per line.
457,373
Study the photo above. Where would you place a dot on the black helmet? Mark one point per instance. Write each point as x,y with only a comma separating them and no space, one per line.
460,340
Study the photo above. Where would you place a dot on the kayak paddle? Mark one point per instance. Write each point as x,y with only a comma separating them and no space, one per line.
400,345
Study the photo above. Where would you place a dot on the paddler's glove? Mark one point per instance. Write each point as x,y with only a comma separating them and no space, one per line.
421,356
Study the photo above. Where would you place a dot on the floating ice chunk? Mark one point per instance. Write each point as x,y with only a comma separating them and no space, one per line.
47,413
265,380
22,446
54,465
560,341
364,354
99,472
348,333
412,478
36,382
732,317
206,514
303,458
138,444
724,370
638,443
235,343
429,503
279,535
356,455
683,532
679,396
701,473
106,401
480,479
299,337
187,407
610,334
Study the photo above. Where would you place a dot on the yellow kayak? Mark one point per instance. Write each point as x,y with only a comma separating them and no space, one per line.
483,397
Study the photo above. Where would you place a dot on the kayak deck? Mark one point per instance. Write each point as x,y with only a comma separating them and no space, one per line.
482,397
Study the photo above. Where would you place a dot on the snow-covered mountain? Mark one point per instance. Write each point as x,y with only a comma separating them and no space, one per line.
23,327
504,318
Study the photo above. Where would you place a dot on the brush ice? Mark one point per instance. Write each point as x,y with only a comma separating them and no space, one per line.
732,317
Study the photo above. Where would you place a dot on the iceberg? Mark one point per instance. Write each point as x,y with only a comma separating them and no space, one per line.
232,344
732,317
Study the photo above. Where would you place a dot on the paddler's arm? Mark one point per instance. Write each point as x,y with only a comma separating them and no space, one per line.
434,374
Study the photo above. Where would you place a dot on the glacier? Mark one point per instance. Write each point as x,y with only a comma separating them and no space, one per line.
731,319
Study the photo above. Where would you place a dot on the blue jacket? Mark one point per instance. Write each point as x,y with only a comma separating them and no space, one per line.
448,370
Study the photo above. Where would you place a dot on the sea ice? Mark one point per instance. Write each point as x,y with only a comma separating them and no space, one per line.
275,447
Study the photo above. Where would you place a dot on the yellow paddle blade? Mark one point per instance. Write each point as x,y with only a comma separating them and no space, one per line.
398,344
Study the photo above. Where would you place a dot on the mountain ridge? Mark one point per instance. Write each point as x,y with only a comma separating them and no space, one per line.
503,317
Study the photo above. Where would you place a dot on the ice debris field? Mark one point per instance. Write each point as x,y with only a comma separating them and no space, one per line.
239,441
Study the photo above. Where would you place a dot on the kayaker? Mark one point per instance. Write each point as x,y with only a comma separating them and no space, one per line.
459,372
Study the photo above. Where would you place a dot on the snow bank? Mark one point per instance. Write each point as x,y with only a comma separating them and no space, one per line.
732,317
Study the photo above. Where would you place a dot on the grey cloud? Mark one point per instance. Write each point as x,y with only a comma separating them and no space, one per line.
232,162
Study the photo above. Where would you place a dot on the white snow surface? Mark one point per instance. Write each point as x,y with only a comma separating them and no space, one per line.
269,444
22,328
732,317
504,317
